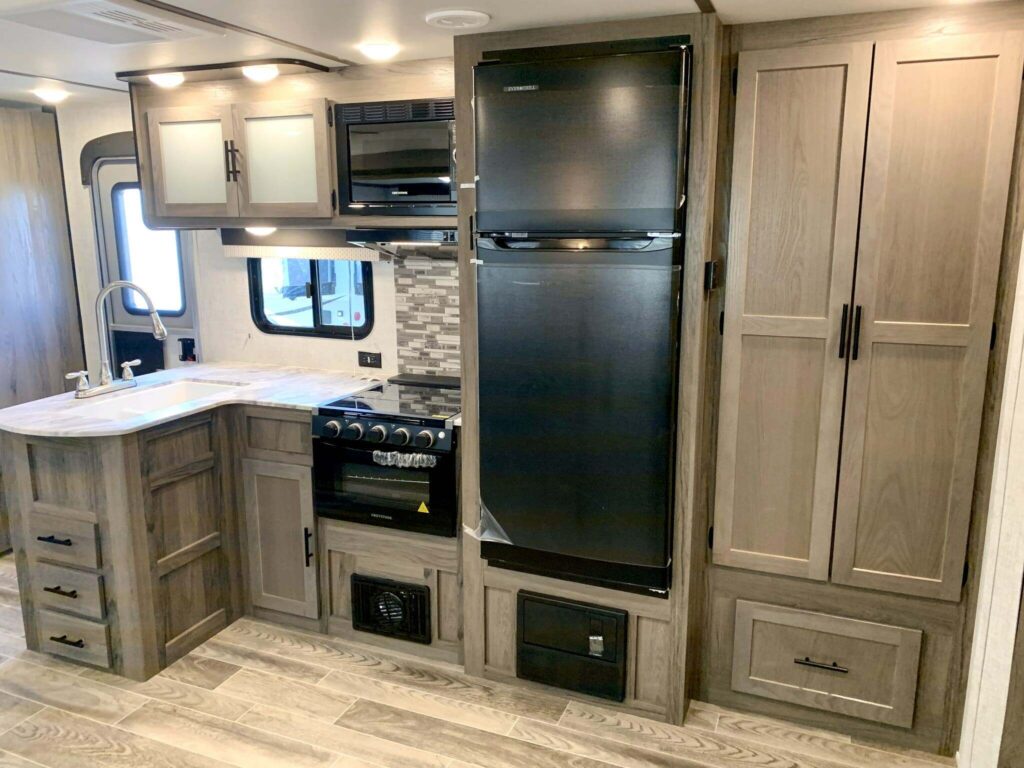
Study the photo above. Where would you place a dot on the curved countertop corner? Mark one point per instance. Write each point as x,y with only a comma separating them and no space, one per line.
267,385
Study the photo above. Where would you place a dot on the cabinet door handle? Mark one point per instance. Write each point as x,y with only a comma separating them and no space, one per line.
309,553
73,594
63,640
806,661
842,330
856,332
235,171
227,161
51,539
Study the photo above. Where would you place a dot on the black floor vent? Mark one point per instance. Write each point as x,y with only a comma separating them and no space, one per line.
391,608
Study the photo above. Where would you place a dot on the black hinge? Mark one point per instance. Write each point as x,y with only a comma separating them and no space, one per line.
992,339
735,80
711,537
334,199
330,117
967,570
721,323
710,275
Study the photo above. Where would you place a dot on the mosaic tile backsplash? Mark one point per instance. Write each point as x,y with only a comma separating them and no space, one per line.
427,313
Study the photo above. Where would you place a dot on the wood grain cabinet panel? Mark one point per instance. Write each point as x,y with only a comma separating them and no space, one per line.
800,123
278,435
937,168
281,534
68,589
856,668
63,540
78,639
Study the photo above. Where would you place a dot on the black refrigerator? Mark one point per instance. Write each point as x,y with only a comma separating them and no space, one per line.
578,269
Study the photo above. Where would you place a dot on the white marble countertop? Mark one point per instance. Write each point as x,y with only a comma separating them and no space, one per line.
274,386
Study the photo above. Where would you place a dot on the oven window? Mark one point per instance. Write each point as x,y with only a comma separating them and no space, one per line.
400,162
385,486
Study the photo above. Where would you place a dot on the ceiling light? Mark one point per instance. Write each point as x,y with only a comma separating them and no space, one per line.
379,51
51,95
167,79
457,19
261,73
261,231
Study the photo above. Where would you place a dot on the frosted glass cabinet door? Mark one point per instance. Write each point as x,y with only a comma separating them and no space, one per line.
285,159
188,154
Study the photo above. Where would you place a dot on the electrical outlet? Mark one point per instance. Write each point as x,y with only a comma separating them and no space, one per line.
370,360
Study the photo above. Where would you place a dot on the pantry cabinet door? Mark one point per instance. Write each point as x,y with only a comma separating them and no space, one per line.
800,123
937,169
189,162
284,159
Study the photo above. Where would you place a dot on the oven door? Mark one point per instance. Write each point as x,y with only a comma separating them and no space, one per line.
407,489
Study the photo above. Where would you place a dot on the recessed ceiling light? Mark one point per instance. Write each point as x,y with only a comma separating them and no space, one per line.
261,73
379,51
167,79
51,95
261,231
457,19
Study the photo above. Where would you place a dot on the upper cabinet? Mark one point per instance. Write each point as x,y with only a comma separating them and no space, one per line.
860,295
260,160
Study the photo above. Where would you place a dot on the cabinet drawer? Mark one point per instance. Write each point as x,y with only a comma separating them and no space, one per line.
853,667
81,592
74,638
63,540
277,436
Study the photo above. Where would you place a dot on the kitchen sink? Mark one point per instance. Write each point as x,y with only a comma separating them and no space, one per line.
135,402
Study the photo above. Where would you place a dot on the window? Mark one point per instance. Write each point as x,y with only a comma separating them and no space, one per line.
148,257
312,298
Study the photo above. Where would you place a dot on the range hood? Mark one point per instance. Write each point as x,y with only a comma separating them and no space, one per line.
356,244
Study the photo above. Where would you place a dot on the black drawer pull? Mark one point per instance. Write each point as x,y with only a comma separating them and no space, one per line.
73,594
308,534
63,639
51,539
833,667
843,321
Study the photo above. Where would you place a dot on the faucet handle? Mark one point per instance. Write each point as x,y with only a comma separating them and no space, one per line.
83,380
126,369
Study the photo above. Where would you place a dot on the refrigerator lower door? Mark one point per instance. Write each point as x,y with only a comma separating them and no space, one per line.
577,360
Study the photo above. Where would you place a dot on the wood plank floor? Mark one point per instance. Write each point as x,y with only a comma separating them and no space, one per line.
263,695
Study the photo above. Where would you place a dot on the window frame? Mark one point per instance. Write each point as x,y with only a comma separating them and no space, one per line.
319,330
120,238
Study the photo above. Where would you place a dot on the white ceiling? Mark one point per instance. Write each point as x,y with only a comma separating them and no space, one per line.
336,27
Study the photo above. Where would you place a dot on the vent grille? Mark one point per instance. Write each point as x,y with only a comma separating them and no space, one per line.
104,21
391,608
397,111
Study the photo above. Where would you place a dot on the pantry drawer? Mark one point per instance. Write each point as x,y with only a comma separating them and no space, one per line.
853,667
74,638
81,592
63,540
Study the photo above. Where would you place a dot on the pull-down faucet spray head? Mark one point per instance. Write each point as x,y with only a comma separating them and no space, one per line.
159,330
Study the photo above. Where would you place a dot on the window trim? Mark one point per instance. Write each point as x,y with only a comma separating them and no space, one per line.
120,237
318,330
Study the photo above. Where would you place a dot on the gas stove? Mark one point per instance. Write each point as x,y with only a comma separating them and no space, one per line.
400,415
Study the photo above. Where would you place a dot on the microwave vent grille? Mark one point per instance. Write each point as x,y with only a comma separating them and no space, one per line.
397,111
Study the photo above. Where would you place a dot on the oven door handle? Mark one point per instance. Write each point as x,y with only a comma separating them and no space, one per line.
404,459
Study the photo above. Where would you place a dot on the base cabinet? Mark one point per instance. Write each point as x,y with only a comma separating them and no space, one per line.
281,531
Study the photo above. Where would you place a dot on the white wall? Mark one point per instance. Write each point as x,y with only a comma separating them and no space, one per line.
225,329
80,123
227,332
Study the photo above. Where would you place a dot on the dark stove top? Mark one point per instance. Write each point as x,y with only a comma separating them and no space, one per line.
405,400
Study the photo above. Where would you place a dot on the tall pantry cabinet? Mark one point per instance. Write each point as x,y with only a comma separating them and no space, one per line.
868,202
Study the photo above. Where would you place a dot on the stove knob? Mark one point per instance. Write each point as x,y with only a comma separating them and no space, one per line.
354,431
399,437
424,439
378,434
332,429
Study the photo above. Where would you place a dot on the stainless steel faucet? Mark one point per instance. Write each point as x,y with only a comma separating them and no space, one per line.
107,382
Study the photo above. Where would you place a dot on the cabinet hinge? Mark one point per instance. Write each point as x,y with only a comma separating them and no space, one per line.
710,275
330,117
992,338
735,80
721,323
334,199
711,537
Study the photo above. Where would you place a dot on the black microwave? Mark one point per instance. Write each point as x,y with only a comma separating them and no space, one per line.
396,158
